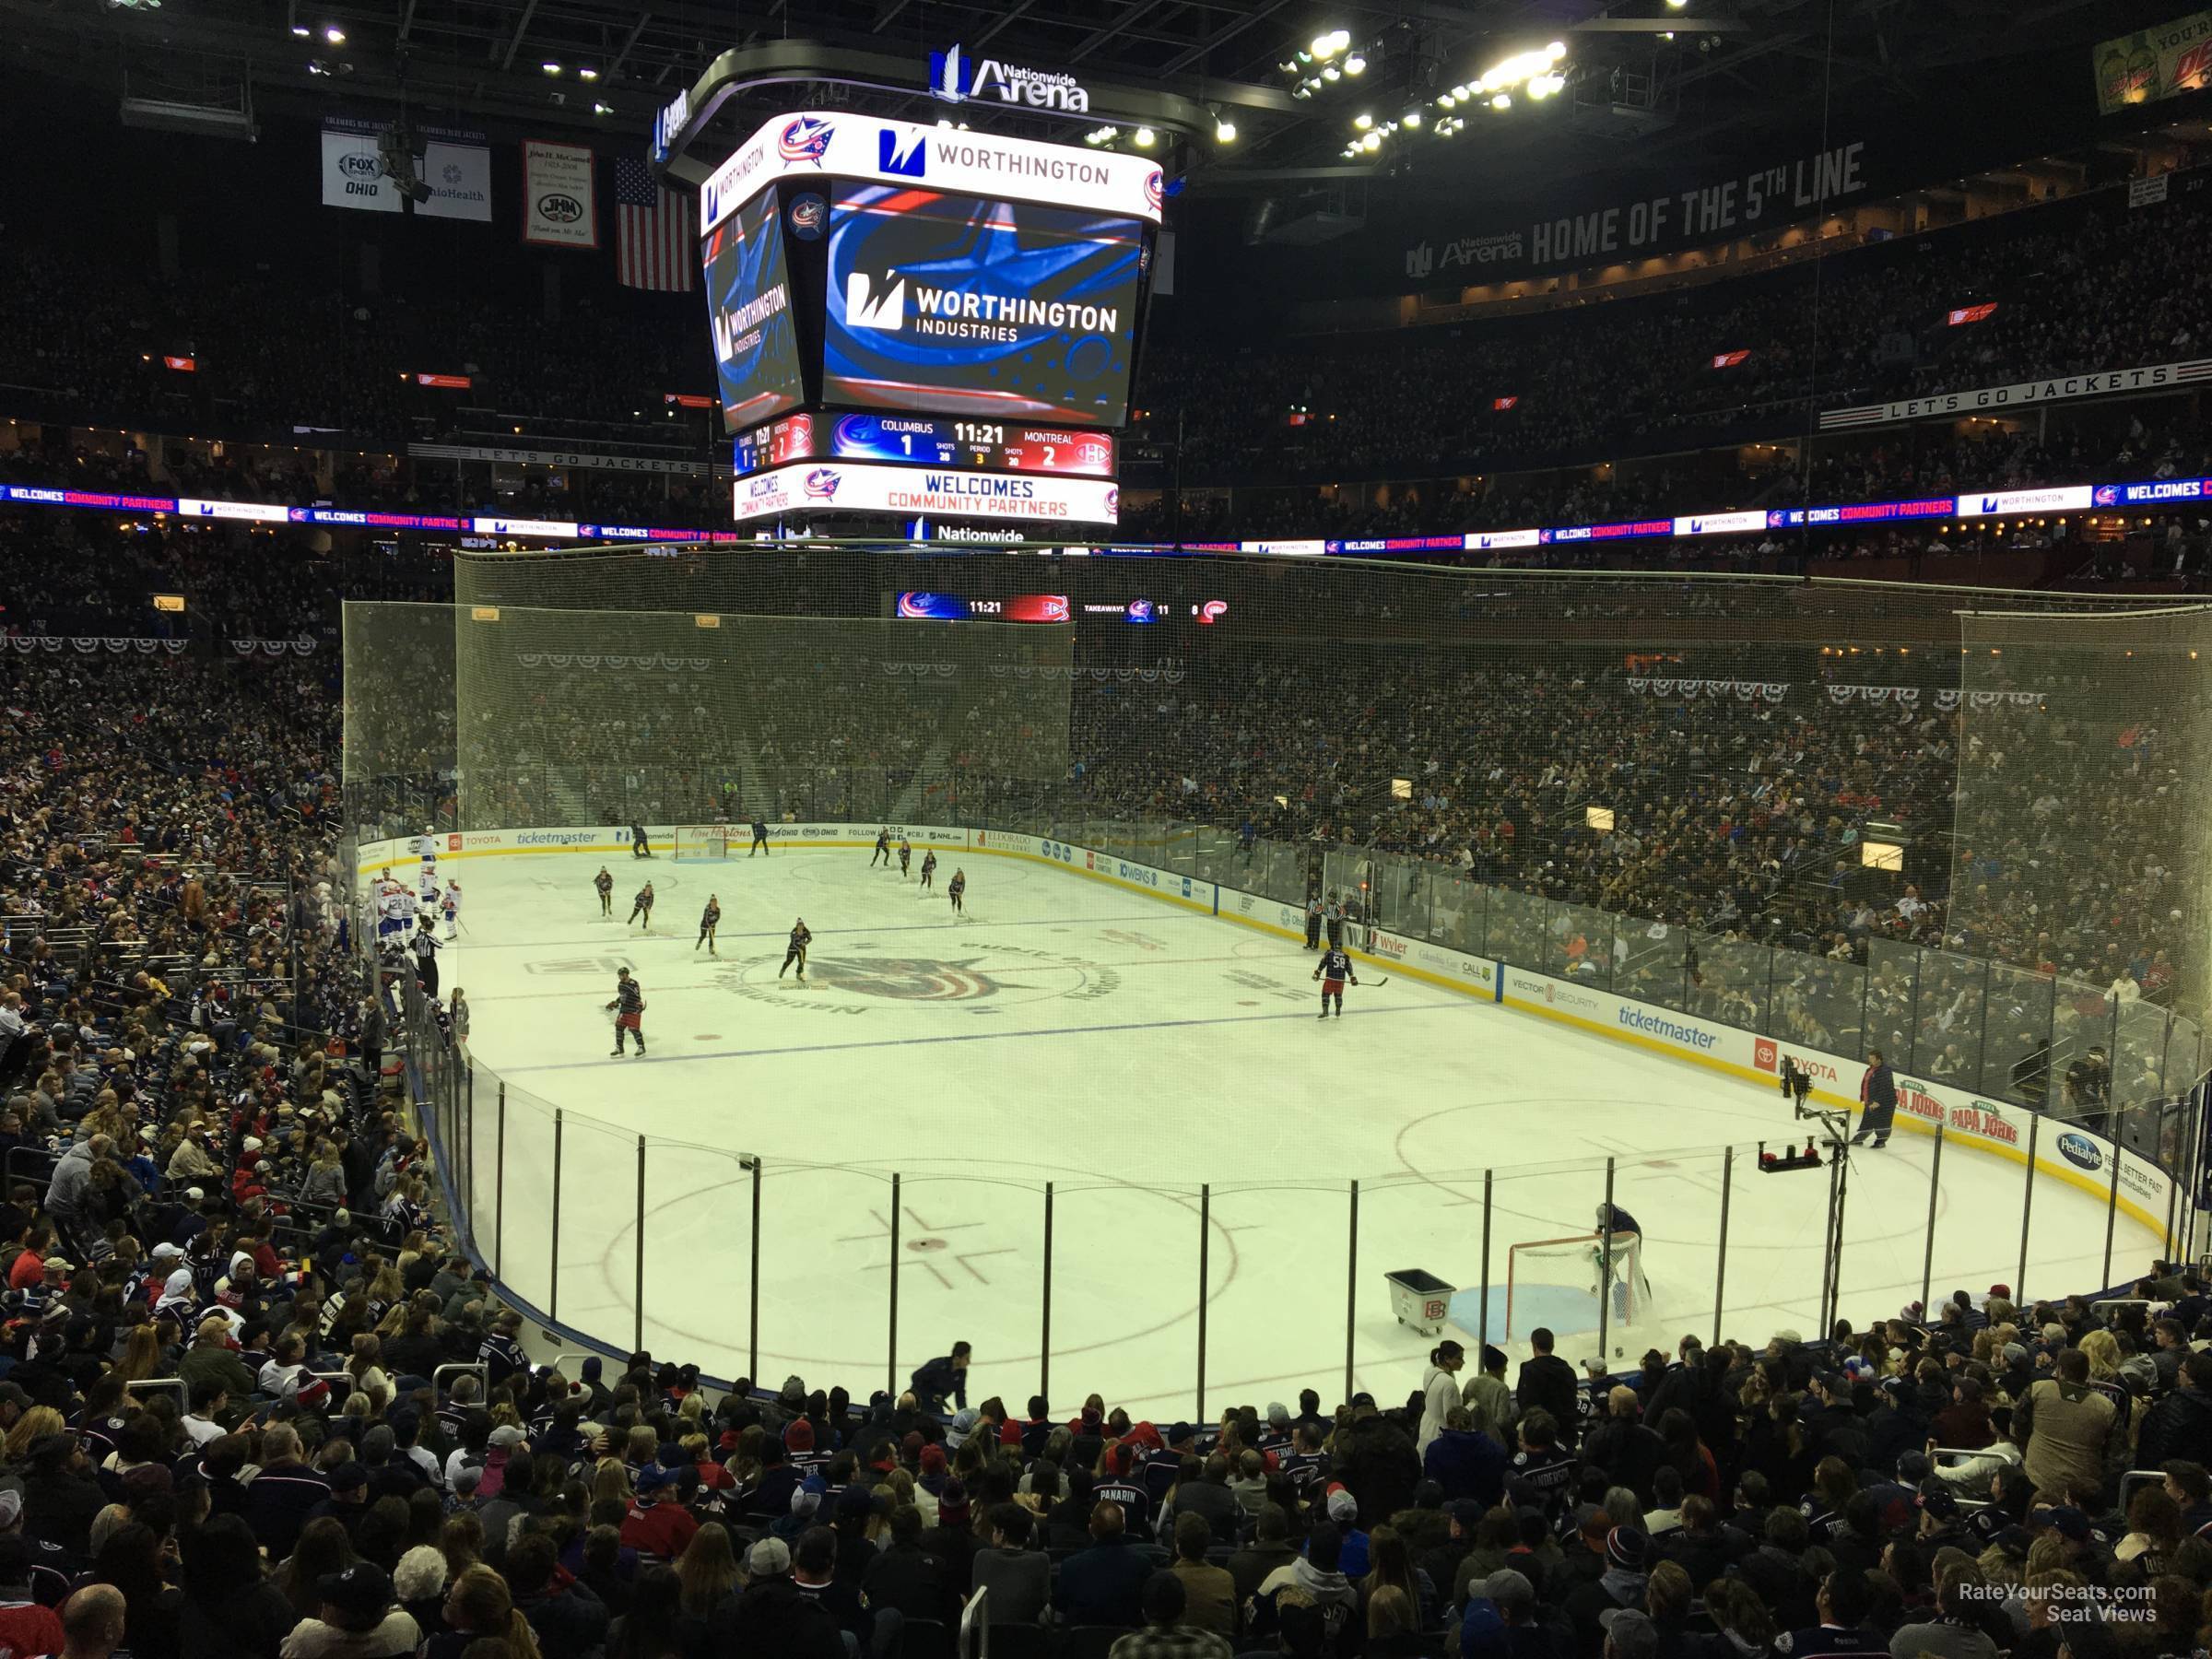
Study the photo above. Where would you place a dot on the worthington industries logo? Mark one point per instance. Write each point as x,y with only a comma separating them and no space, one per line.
903,154
880,303
954,77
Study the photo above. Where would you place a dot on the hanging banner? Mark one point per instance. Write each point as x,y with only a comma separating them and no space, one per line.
2151,377
351,171
457,167
2154,64
559,209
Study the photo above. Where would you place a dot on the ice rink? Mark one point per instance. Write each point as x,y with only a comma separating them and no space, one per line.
1068,1032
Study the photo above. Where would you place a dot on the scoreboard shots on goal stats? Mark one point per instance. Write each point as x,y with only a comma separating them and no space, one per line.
925,322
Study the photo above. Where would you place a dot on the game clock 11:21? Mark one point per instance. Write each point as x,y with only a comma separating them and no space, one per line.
927,440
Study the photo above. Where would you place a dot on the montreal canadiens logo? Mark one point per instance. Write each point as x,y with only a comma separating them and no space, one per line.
1152,194
805,139
821,483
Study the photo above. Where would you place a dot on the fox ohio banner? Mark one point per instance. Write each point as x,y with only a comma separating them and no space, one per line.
351,171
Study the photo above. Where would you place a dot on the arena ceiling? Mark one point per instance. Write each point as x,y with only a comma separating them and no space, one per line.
1729,64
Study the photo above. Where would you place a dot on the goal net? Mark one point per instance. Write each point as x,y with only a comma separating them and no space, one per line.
707,841
1558,1283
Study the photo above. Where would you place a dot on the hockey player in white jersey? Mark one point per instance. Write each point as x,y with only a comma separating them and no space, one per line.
451,906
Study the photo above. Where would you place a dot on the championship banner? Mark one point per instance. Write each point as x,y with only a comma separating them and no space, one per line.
351,171
868,487
2154,64
2102,384
457,167
559,208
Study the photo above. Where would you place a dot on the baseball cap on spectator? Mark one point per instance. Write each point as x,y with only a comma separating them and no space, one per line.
855,1500
963,1425
806,1496
1509,1589
2003,1292
13,1394
348,1475
60,1264
1630,1633
506,1437
2070,1522
798,1435
933,1460
253,1143
1343,1507
1279,1415
311,1394
147,1480
1937,1498
2016,1353
468,1478
11,1507
1467,1511
771,1557
654,1478
1627,1546
359,1596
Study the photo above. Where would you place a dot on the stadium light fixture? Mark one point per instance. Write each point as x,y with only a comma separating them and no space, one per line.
1145,137
1373,141
1413,118
550,67
1332,74
587,74
1355,64
333,34
600,108
1329,44
1225,130
1676,5
1363,121
1302,90
1504,101
301,31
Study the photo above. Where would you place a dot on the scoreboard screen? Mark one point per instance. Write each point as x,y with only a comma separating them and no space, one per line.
928,440
751,314
973,306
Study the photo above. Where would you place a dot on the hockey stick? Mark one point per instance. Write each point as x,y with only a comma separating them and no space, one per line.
1377,983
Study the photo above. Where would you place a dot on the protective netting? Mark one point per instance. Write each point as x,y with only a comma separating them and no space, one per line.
1661,786
2083,845
398,754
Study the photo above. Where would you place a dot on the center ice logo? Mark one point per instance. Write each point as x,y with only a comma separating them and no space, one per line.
906,979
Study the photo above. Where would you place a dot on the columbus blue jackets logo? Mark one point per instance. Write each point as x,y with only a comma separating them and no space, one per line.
2108,494
1152,189
1113,499
906,979
805,139
809,214
821,484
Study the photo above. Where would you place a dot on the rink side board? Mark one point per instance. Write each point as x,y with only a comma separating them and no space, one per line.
2067,1153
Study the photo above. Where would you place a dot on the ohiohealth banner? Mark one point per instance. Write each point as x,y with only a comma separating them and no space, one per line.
457,167
560,206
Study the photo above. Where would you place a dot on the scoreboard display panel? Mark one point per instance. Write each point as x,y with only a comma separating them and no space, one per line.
752,316
972,306
928,440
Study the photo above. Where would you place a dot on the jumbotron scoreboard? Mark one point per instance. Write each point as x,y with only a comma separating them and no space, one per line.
925,322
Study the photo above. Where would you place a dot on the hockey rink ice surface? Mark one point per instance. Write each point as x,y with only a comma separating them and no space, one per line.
1126,1050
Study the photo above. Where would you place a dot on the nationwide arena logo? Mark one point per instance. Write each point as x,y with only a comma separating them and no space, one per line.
821,484
805,139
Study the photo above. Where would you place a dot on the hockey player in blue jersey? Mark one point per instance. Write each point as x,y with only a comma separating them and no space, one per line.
1619,1246
1334,972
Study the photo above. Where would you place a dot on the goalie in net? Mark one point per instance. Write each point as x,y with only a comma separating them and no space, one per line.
1607,1263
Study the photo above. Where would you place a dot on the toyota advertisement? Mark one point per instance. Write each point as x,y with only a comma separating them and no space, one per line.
749,311
980,307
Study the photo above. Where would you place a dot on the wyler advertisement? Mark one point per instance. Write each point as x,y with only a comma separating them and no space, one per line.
749,314
981,307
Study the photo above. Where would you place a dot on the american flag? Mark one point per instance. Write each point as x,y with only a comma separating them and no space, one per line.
656,239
